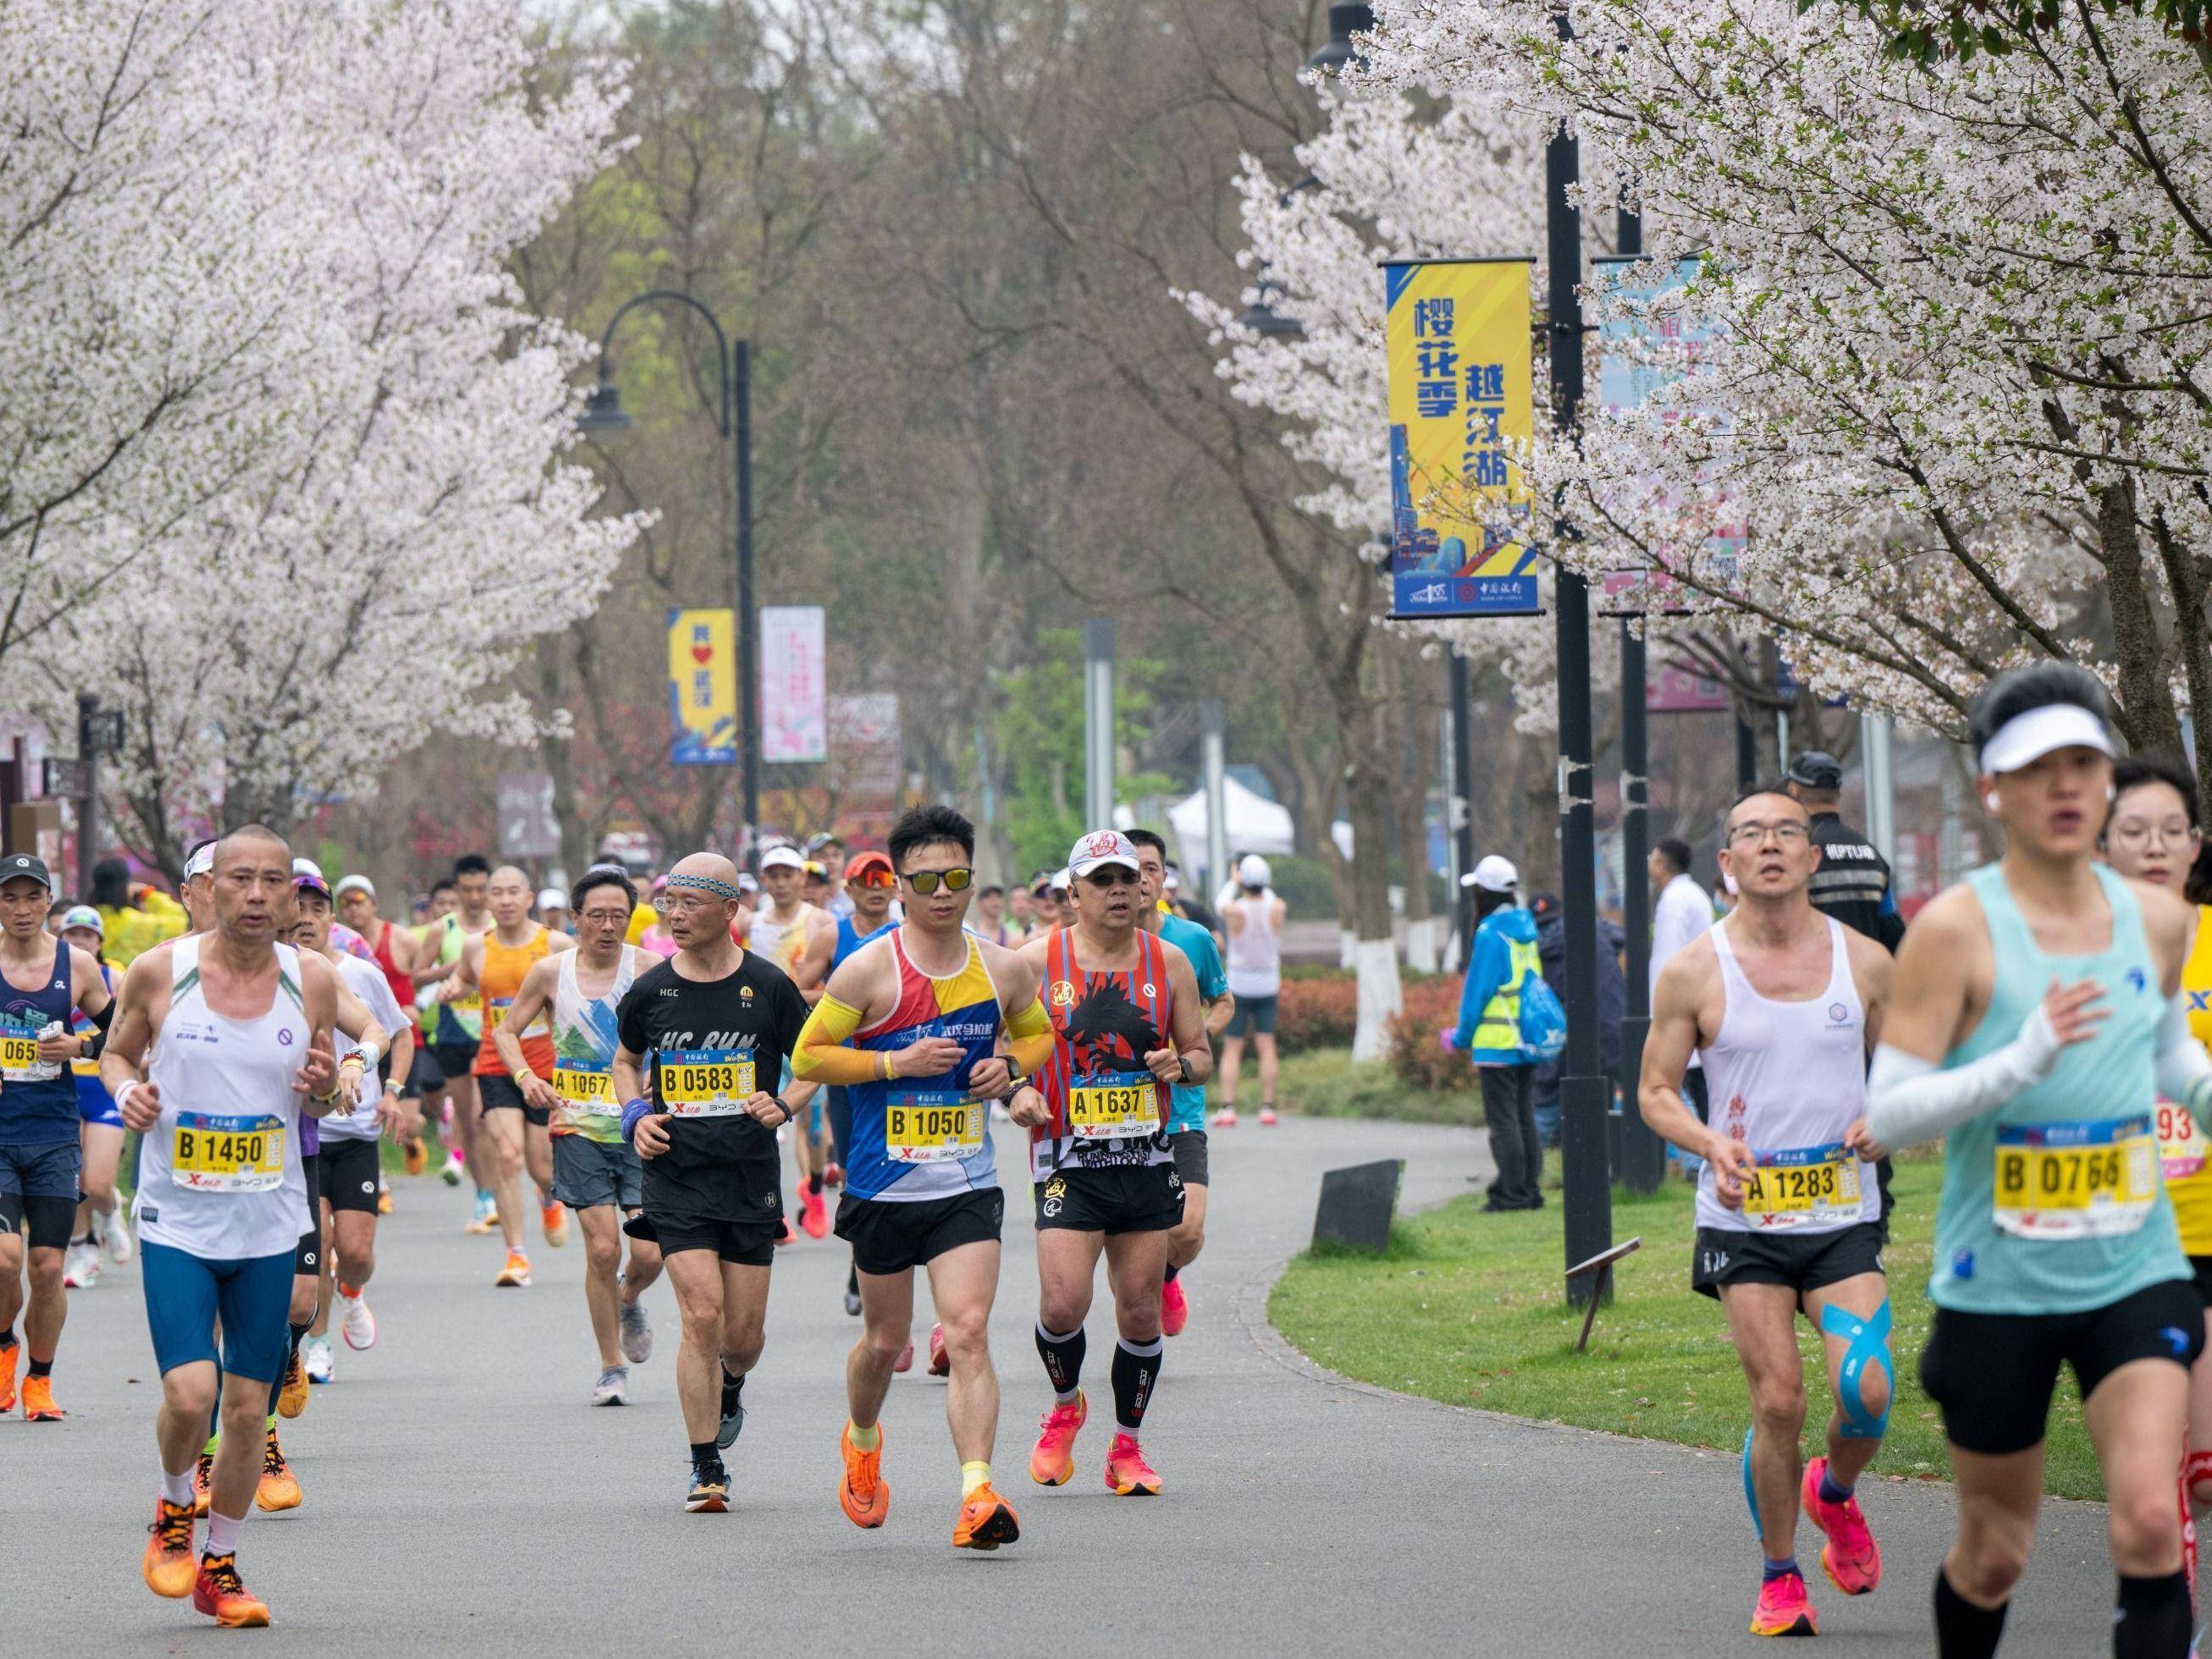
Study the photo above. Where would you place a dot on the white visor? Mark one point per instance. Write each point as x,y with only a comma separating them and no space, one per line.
2030,736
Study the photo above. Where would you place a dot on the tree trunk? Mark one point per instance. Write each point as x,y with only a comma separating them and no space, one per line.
575,842
1418,749
1374,953
2146,711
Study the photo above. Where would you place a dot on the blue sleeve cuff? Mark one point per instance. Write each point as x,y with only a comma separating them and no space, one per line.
632,1110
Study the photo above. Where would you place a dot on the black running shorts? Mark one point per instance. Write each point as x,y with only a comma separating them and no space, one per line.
1146,1197
1801,1260
308,1253
889,1235
1188,1146
747,1243
504,1094
348,1173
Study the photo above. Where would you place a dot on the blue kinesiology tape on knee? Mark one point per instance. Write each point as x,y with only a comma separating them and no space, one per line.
1868,1343
1750,1492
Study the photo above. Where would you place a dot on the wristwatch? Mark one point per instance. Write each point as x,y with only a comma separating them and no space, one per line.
392,1085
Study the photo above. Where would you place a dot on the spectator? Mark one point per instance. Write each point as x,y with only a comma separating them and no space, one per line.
1021,921
1488,1032
990,922
1851,882
1680,912
1611,1004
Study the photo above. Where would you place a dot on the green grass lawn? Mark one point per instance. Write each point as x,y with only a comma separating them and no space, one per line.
1329,1083
1468,1308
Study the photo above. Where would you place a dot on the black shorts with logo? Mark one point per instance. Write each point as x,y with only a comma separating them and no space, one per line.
454,1060
1787,1256
1992,1375
1144,1198
348,1173
747,1243
504,1094
891,1236
308,1253
1188,1146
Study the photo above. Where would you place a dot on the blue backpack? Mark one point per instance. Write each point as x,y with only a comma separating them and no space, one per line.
1543,1021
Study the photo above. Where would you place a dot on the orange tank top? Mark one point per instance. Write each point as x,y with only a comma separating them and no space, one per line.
504,966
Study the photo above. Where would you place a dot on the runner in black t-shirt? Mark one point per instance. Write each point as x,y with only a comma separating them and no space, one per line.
703,1038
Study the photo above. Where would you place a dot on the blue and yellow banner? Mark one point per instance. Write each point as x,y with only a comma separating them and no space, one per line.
702,688
1457,334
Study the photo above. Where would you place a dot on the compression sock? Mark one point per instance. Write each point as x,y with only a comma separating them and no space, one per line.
176,1488
1136,1368
733,1389
1063,1360
1963,1631
972,1475
705,1454
1172,1271
864,1440
1786,1568
42,1368
2152,1619
1831,1492
814,1183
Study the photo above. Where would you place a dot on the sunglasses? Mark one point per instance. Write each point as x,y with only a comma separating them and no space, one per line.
1114,875
954,880
874,876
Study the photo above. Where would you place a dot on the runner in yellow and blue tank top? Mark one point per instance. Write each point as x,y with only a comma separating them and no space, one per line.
909,1025
100,1221
2034,1017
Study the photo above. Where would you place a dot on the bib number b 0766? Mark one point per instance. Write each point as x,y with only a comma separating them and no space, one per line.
705,1082
226,1154
2088,1179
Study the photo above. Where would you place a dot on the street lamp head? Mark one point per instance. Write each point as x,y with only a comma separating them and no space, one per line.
604,413
1262,316
1345,21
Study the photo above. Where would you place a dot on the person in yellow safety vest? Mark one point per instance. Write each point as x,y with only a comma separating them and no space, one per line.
1489,1031
131,924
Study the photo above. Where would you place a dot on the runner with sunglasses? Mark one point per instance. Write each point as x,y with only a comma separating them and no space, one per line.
1128,1025
872,883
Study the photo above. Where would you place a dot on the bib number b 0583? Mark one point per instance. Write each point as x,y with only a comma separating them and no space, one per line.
705,1082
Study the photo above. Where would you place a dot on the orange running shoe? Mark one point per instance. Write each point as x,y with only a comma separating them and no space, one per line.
554,1219
1126,1472
292,1395
1174,1309
279,1488
516,1274
39,1400
8,1355
203,1480
218,1591
1783,1608
1851,1557
415,1156
813,1214
941,1362
985,1521
384,1201
862,1491
1053,1461
169,1565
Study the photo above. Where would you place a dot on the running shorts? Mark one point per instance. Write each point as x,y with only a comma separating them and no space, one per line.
587,1174
1140,1198
1252,1017
38,1193
348,1170
1992,1375
454,1059
504,1094
2202,1266
95,1105
747,1243
425,1075
890,1236
1188,1146
186,1294
1801,1261
307,1254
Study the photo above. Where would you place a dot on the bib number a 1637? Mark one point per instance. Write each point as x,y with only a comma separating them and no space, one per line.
1114,1105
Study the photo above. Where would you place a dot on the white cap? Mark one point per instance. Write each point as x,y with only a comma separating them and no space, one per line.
782,858
746,883
1252,870
354,884
552,898
1102,847
1171,881
1062,880
306,872
2029,737
1494,875
201,861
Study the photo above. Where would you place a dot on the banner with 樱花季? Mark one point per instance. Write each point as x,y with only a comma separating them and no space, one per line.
1456,333
702,688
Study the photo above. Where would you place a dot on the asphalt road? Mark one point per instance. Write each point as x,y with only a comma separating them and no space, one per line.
462,1496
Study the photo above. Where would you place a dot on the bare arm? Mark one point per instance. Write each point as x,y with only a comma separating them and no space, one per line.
531,997
813,969
1219,1013
467,970
1674,1036
1190,1060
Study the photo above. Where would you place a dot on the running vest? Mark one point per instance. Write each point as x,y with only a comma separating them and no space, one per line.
851,939
2185,1154
1108,1108
1255,955
782,943
462,1019
504,967
92,1098
38,1098
219,1174
402,983
915,1138
1788,1079
585,1036
2052,1202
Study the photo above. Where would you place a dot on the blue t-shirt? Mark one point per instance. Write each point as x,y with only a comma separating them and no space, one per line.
851,939
1188,1109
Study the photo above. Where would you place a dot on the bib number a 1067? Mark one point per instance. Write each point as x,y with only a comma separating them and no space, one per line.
705,1082
2088,1180
216,1154
587,1088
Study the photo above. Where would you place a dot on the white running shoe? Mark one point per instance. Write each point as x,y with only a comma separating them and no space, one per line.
114,1231
613,1387
1225,1118
80,1270
636,1334
315,1357
451,1175
357,1321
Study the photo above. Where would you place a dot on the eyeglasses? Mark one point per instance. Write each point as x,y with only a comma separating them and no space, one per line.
1789,833
2141,832
1113,875
954,880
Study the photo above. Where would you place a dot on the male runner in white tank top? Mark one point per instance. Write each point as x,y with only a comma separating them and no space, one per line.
1783,1005
1255,919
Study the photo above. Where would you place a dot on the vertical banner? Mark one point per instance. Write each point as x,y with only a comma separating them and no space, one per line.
794,684
702,688
1456,333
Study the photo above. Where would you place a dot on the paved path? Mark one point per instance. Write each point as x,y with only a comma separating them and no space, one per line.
461,1497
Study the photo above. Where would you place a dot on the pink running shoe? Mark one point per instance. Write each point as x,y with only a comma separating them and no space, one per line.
1053,1462
1225,1118
1267,1117
1851,1557
1174,1307
1126,1472
1783,1608
941,1362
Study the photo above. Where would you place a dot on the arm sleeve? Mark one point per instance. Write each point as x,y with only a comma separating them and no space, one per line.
822,1055
1029,1037
2184,1073
1910,1100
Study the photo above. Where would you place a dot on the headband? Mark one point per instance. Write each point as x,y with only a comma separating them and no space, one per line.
707,884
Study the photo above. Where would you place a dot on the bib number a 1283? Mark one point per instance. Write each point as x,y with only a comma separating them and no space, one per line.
1804,1184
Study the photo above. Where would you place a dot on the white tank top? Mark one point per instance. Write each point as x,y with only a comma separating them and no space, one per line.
220,1174
584,1035
1255,955
1788,1079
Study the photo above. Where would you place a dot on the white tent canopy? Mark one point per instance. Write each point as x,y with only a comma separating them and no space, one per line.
1256,824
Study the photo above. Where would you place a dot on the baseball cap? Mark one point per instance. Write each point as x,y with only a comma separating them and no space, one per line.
1252,870
863,865
83,915
782,858
354,884
22,864
1061,881
552,898
1171,881
746,883
306,874
1816,769
816,867
827,838
1494,875
1102,847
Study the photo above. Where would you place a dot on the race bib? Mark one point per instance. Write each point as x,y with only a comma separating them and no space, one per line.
2180,1142
1114,1105
19,1061
226,1154
587,1088
705,1082
84,1065
496,1016
2094,1179
931,1125
1804,1183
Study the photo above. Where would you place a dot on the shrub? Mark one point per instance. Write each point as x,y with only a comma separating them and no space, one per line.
1420,1061
1318,1011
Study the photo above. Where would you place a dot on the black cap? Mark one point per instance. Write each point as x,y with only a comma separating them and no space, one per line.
1544,905
22,864
1816,770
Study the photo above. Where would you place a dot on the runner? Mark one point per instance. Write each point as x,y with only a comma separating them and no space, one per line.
594,1173
453,1022
1783,1003
828,849
44,982
347,1164
100,1220
699,1033
394,949
2029,1020
1021,922
869,880
249,1025
514,1133
800,938
908,1028
553,911
1187,1111
1127,1025
1254,918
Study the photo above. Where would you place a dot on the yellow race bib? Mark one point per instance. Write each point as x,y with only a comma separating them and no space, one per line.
931,1125
2180,1142
1805,1183
587,1088
1114,1105
2088,1179
19,1061
226,1154
705,1082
